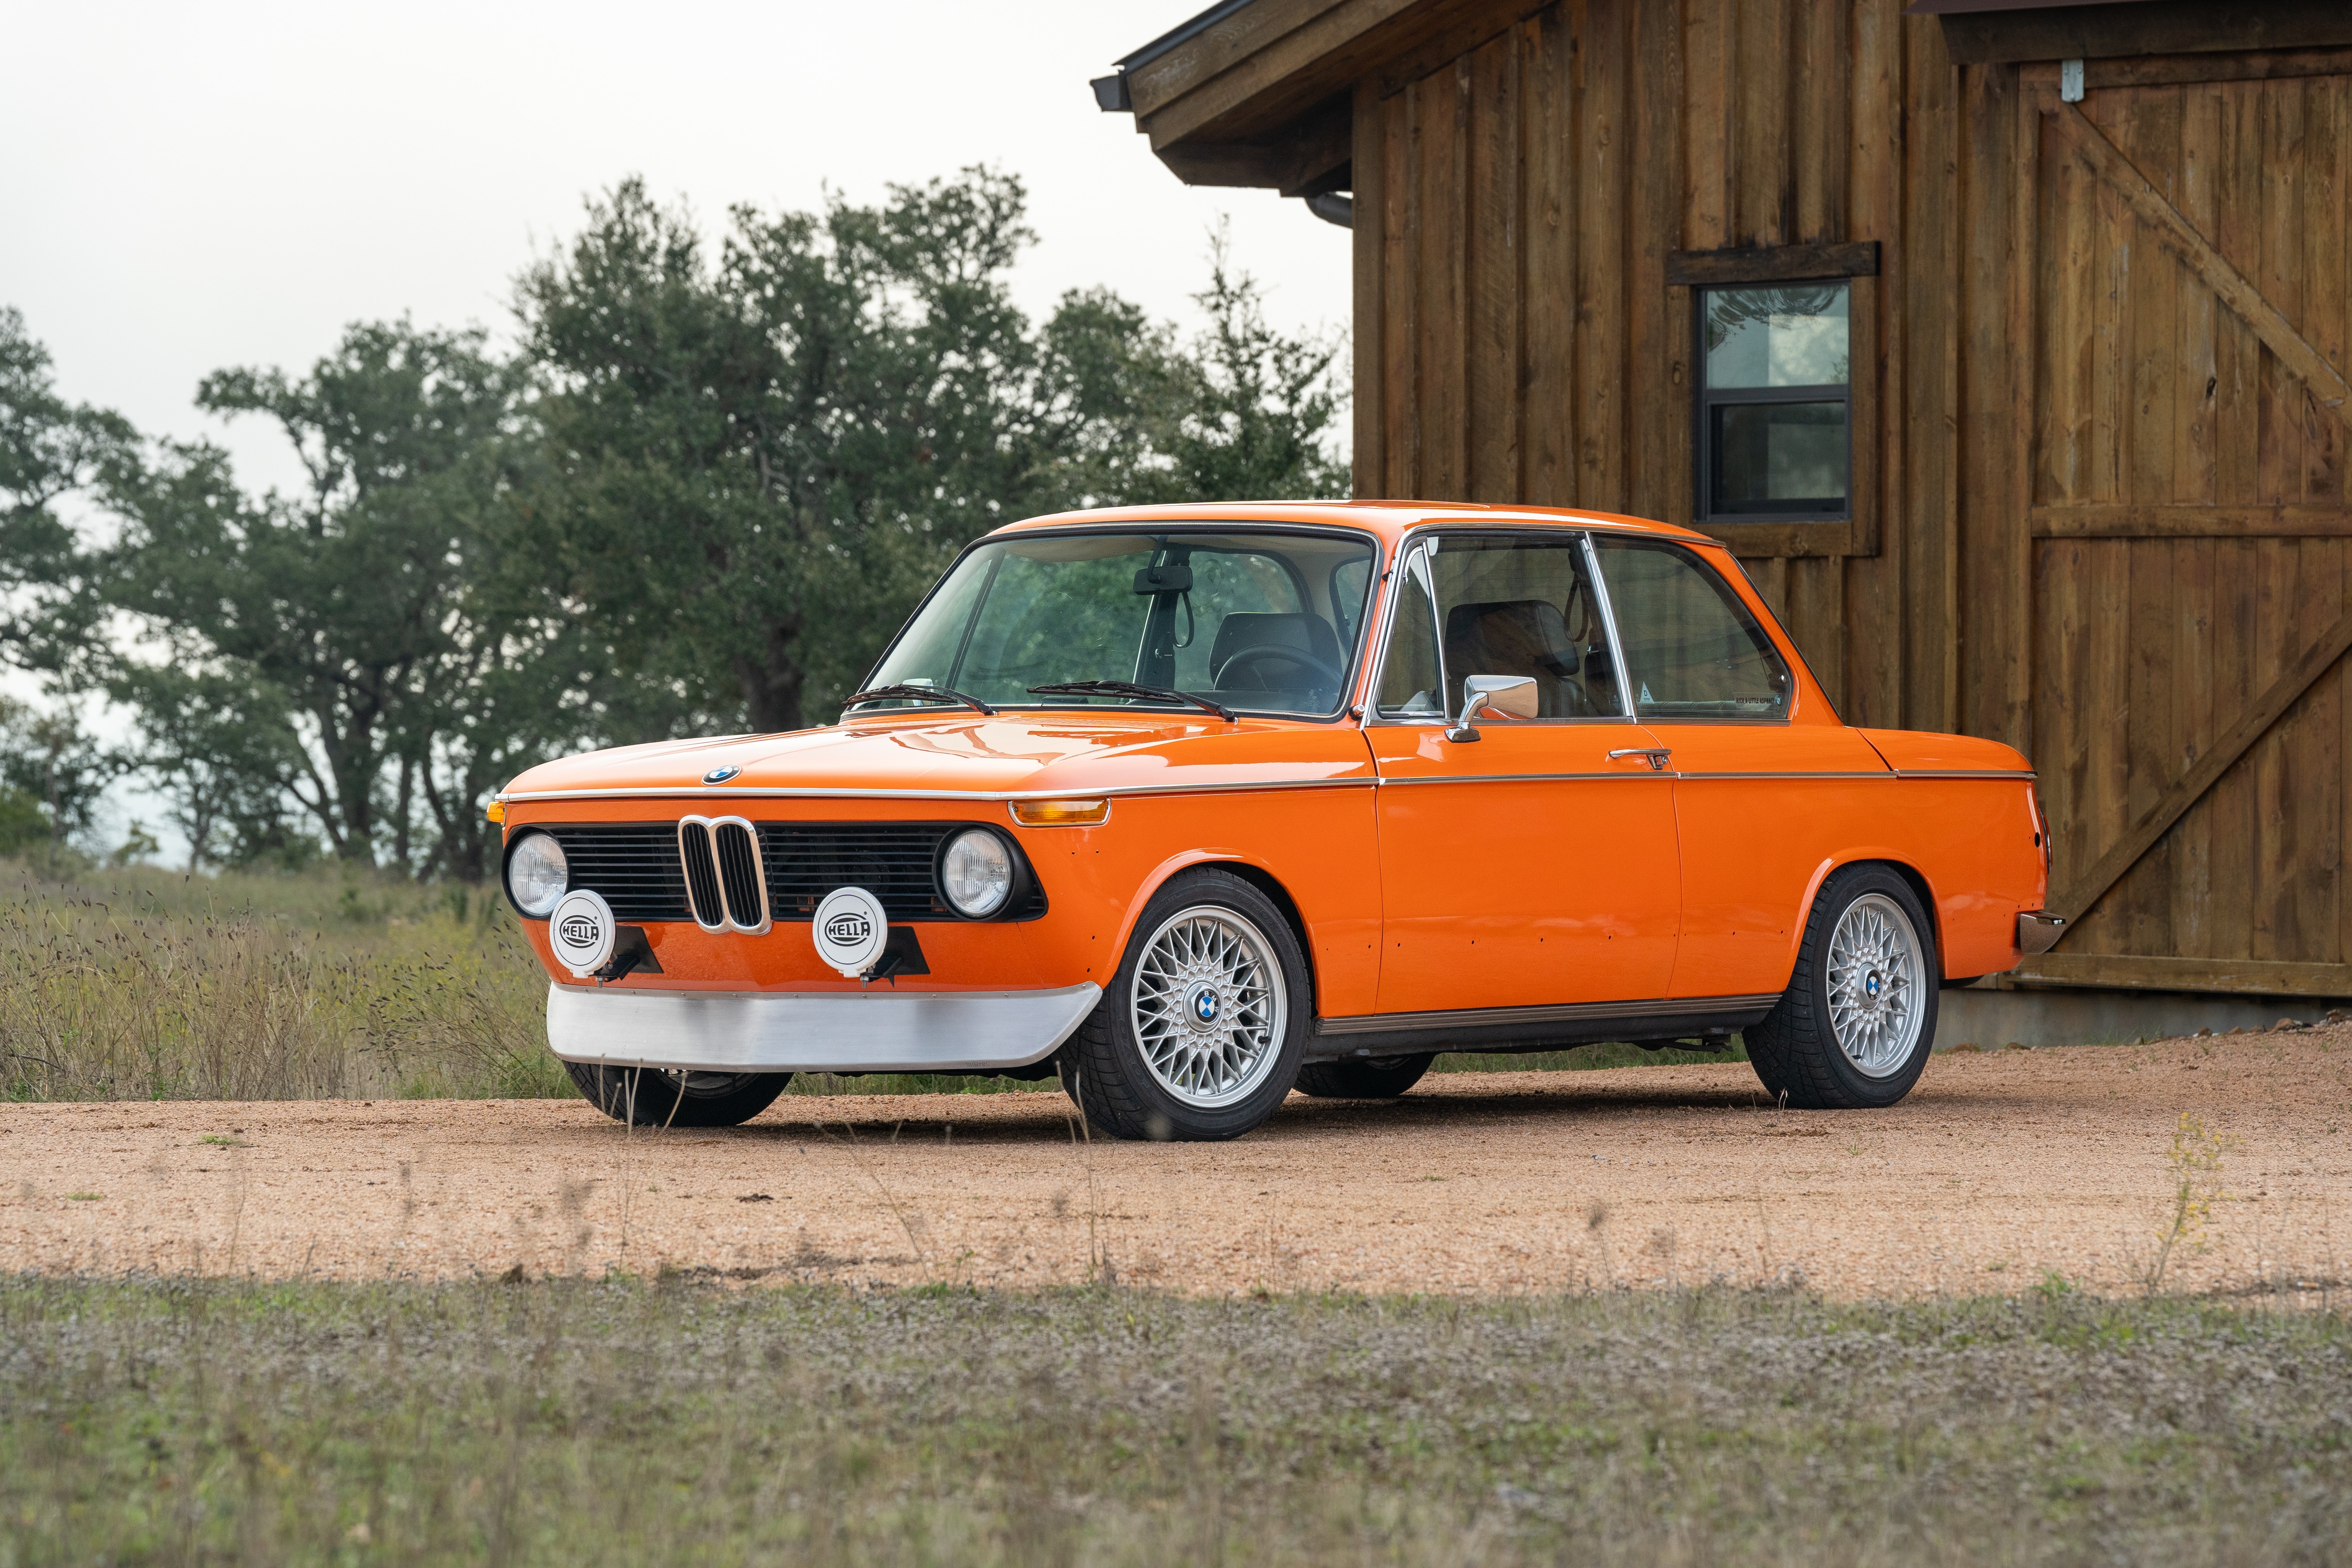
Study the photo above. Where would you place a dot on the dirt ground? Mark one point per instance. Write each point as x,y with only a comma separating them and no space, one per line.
2001,1166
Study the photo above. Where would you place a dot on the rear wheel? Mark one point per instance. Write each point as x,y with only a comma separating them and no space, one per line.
1200,1032
1368,1077
1852,1031
656,1096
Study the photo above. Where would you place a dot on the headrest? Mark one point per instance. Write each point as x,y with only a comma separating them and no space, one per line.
1306,632
1507,637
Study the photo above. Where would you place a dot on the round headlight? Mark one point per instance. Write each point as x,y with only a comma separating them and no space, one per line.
536,875
976,873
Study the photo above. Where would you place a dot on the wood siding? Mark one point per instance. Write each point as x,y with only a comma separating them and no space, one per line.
2103,505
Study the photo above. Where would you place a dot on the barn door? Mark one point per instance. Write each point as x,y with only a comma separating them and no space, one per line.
2183,254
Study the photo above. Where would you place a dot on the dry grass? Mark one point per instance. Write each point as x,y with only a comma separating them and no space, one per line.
141,984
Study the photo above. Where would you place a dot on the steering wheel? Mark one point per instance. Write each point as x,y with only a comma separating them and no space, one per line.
1299,657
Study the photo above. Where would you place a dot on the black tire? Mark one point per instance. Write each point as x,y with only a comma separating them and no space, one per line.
1372,1077
1103,1067
648,1097
1796,1050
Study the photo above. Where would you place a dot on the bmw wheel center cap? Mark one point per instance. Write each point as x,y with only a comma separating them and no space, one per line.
1205,1006
582,930
849,930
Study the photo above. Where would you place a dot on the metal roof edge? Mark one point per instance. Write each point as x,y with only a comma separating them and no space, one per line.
1181,33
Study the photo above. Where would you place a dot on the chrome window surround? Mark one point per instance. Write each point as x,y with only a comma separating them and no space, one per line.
1364,632
1368,713
727,921
1416,544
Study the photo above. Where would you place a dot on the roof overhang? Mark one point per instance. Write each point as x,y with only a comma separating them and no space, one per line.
1979,32
1261,92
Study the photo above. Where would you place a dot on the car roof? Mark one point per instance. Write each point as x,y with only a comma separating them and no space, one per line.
1389,519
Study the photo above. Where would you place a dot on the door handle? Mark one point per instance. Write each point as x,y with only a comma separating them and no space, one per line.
1655,755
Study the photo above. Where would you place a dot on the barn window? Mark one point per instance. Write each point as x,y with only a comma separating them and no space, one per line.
1775,402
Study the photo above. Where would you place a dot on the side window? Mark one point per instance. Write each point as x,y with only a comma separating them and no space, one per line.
1775,400
1516,605
1410,680
1692,649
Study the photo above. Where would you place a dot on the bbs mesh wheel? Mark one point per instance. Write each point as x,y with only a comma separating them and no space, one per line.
1854,1030
1199,1035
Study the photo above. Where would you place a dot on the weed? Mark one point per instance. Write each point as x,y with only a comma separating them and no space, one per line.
2194,1161
84,1197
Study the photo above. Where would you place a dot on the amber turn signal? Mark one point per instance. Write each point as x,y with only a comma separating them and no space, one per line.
1061,813
498,812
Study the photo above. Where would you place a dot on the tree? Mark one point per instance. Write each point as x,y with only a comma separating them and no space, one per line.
764,458
53,773
319,644
50,450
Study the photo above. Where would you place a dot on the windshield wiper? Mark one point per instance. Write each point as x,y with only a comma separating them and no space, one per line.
1129,689
936,693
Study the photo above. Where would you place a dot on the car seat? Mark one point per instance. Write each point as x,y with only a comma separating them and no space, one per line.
1518,636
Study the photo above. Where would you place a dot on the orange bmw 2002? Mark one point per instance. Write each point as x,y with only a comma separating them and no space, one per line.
1195,805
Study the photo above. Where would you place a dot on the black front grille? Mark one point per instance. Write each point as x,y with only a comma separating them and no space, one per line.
701,875
892,860
640,870
739,874
635,866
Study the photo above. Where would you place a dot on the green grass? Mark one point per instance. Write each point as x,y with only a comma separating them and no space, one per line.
625,1421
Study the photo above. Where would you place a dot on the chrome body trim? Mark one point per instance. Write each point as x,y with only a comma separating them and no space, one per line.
787,792
1874,774
1559,1013
727,921
1634,773
1966,773
2038,930
835,1031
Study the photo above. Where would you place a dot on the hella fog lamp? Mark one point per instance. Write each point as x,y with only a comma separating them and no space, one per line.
976,873
536,875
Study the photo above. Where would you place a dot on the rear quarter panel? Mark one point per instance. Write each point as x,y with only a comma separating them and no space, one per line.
1969,824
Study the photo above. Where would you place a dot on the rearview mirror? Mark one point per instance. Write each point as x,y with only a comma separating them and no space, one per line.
1503,696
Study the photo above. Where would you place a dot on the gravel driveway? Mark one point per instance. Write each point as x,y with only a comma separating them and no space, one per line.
2001,1167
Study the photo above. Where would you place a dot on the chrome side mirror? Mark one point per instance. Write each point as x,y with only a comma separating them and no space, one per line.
1503,696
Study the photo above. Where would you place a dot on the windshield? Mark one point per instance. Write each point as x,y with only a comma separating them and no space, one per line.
1262,621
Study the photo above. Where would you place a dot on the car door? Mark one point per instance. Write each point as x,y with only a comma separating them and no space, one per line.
1766,791
1535,863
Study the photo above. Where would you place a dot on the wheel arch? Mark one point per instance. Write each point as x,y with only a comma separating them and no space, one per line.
1913,877
1263,879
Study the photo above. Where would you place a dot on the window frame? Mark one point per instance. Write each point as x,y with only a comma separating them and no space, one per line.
1708,399
1420,539
1766,535
1359,650
1766,624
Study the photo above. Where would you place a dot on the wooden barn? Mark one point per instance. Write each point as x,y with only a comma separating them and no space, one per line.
2044,438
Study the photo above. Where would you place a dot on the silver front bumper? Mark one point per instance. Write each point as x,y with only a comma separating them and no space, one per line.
837,1031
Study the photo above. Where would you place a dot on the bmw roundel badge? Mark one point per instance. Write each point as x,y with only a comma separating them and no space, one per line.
720,775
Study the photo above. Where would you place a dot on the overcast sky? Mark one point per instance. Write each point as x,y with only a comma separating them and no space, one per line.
183,188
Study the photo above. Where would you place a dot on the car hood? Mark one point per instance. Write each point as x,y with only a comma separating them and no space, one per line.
969,755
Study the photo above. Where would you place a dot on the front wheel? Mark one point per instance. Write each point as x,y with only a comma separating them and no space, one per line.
1200,1032
1854,1030
655,1097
